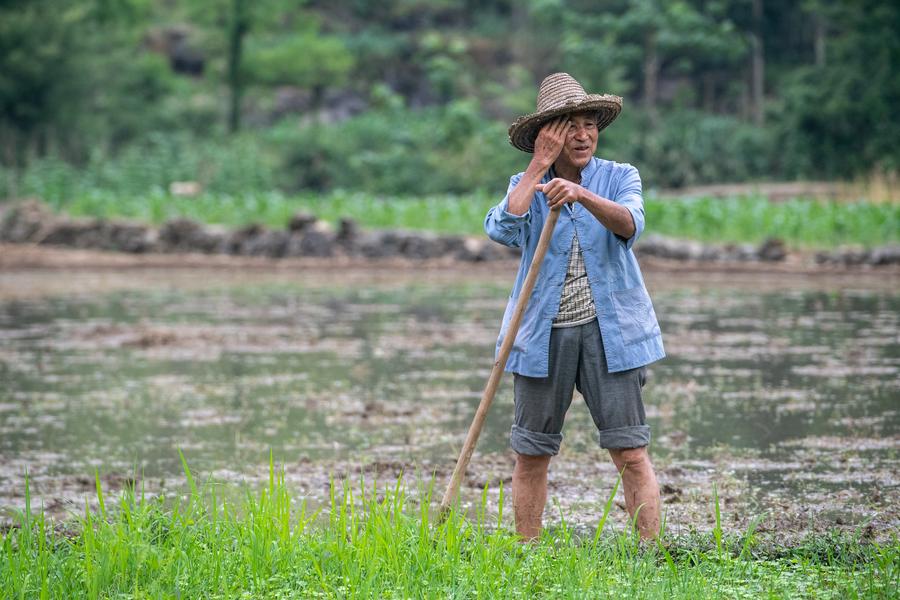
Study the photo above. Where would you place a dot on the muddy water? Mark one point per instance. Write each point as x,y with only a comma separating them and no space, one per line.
785,396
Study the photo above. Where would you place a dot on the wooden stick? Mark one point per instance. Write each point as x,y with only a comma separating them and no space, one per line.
499,364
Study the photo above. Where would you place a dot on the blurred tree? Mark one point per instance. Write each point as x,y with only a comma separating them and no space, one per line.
625,45
757,85
725,88
715,53
273,61
841,115
238,26
72,75
270,43
40,47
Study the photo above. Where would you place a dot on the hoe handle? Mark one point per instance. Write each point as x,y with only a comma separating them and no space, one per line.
499,364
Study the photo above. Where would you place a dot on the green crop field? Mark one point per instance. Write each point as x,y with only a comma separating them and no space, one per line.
800,222
377,542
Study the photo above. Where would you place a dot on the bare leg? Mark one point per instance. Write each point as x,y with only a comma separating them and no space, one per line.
641,488
529,493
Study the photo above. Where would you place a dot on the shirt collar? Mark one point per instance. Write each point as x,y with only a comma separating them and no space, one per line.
586,173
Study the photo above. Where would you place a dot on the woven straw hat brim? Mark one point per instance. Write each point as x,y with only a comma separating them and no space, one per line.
524,130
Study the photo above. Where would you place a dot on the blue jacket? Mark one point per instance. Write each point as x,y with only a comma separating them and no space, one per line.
631,335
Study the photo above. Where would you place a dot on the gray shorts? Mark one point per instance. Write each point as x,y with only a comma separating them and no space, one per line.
614,399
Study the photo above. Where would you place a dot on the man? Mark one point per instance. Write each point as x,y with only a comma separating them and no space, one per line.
589,322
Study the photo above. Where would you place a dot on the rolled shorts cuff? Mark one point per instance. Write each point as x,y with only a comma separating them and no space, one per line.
534,443
617,438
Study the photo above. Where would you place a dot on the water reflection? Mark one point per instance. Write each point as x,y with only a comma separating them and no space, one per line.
799,389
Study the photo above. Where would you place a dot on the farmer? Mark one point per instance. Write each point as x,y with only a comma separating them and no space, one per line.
589,322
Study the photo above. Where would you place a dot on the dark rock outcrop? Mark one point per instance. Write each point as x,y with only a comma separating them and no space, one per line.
185,235
23,222
878,257
772,250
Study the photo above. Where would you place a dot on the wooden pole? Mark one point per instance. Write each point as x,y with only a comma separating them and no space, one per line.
499,364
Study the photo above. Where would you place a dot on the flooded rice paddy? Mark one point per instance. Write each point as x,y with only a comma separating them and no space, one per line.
783,392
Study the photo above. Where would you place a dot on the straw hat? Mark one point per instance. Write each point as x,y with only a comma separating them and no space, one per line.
560,94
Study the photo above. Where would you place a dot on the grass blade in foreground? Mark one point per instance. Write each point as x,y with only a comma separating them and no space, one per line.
379,542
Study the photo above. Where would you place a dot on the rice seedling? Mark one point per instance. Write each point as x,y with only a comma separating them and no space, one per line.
380,540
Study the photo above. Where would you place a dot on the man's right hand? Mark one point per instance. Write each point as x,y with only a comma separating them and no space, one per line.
549,142
547,146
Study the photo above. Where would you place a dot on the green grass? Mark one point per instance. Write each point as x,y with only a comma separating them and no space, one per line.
801,223
446,214
373,541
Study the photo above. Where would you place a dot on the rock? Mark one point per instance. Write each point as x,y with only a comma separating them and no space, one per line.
481,250
136,238
747,252
177,233
185,235
23,220
267,243
886,255
415,245
853,256
316,243
421,245
350,237
379,244
300,221
451,244
772,250
674,249
348,231
316,240
663,247
845,256
74,233
30,221
240,240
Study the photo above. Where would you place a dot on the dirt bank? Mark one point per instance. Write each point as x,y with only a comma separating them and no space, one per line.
31,271
31,222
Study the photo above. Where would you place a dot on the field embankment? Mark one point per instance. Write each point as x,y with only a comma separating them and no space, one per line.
717,230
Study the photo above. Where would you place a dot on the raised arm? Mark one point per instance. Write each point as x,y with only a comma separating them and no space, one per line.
547,147
507,223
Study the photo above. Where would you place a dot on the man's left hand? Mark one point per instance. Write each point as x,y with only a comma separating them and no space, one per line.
560,191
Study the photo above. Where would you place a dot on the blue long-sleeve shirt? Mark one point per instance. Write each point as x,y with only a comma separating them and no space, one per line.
631,335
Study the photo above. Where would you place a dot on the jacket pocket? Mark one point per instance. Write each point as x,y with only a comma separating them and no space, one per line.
634,311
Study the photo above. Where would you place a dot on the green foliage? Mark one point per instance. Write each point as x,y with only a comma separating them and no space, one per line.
804,223
40,49
83,79
449,149
841,117
229,166
325,63
378,540
690,148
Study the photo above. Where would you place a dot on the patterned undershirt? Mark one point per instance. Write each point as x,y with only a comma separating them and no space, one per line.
576,305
